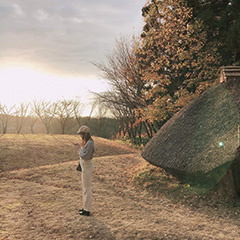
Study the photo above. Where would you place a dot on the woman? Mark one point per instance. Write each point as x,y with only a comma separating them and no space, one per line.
86,154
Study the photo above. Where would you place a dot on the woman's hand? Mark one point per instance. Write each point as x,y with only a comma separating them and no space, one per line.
77,145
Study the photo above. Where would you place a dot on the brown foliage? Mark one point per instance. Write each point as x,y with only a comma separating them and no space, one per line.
176,60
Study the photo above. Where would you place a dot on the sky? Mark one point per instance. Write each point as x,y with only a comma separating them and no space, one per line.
47,46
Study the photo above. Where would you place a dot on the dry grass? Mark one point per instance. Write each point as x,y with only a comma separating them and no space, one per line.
42,202
24,151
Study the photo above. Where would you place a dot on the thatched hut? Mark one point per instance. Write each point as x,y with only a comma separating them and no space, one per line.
199,143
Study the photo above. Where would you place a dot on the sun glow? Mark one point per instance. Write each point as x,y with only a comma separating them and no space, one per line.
21,84
25,84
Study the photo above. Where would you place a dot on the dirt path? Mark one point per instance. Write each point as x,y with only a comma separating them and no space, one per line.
43,202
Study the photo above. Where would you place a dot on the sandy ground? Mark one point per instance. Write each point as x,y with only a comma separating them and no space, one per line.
42,203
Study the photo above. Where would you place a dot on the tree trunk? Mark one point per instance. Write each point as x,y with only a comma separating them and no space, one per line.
4,129
32,129
140,133
148,129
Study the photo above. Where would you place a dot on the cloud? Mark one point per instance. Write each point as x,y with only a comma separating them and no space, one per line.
65,36
18,10
42,15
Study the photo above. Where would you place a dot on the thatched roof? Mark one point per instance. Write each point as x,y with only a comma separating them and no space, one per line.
199,138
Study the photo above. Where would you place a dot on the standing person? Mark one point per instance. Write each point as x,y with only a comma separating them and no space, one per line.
86,151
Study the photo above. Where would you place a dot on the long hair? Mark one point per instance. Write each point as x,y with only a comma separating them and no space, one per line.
85,138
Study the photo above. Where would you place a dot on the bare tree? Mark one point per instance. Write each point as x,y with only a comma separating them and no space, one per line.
21,116
92,109
100,114
45,112
6,114
32,122
64,112
123,74
78,109
32,119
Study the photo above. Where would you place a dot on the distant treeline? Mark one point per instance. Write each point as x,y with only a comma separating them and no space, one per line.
61,117
106,128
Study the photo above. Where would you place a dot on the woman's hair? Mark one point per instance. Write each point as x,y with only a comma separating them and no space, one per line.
86,136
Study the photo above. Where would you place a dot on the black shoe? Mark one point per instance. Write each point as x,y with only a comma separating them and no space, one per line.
80,210
85,213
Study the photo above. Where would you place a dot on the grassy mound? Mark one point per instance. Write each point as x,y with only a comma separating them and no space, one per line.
26,151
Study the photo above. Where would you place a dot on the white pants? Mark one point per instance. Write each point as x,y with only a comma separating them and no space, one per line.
87,170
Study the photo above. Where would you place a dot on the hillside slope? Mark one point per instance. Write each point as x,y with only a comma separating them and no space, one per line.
24,151
42,202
